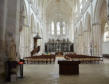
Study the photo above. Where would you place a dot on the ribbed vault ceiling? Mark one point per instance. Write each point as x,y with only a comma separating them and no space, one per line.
59,10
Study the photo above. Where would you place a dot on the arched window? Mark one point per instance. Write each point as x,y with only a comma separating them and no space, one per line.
58,28
64,31
52,28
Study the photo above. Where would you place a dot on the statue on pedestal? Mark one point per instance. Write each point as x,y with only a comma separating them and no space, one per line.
12,50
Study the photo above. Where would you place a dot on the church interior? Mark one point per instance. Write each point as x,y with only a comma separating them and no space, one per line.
54,41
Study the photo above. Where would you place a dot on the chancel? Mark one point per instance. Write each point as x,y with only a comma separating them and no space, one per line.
53,46
54,41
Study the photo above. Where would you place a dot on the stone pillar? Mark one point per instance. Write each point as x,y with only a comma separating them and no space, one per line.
75,42
55,28
27,42
83,38
61,28
97,50
78,44
3,16
86,42
67,29
50,29
12,25
9,26
108,10
24,41
82,46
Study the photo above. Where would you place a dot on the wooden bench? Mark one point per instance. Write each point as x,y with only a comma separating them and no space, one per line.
45,59
84,58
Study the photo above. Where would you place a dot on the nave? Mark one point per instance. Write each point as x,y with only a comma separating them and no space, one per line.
34,32
49,74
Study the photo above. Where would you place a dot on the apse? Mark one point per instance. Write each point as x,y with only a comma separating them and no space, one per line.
58,19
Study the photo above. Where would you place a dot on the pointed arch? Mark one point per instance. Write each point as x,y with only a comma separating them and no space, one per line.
97,11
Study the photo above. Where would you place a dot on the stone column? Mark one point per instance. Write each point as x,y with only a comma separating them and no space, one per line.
78,44
75,42
67,29
86,42
82,46
25,41
50,29
97,39
108,10
3,17
12,25
55,28
61,28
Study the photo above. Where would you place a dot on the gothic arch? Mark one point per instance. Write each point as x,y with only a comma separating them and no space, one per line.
100,17
98,14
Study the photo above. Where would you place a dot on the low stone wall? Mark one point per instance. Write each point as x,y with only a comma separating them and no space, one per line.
106,48
106,55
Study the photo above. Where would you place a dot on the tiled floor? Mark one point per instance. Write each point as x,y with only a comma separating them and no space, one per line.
49,74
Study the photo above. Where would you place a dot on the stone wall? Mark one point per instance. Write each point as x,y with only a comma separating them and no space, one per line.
106,47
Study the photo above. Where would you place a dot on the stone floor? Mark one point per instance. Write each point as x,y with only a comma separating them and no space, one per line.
49,74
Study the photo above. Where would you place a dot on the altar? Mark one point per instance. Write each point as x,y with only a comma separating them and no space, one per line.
68,67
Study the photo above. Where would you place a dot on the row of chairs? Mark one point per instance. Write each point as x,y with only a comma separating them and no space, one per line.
84,58
41,59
